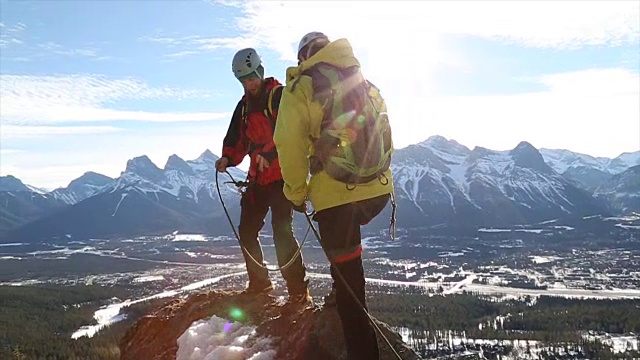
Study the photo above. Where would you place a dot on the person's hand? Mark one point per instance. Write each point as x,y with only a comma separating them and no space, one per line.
221,164
301,208
262,163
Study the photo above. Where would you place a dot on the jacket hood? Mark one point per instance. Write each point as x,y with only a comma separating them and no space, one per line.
338,53
271,82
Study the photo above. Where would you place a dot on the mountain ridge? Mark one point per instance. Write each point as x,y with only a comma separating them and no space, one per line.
438,181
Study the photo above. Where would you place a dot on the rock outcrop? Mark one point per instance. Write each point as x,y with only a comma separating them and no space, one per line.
313,333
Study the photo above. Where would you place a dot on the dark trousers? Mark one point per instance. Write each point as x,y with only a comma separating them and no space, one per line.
340,229
255,204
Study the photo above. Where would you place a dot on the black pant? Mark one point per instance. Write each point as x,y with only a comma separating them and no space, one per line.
340,229
255,204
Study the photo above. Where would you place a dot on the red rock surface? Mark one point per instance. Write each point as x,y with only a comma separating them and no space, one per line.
313,333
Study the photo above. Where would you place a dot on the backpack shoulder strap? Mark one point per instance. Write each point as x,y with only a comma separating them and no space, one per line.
273,102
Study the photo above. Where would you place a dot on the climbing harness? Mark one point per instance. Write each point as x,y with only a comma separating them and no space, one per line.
224,207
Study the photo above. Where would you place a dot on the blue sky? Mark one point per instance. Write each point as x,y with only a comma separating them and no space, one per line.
87,85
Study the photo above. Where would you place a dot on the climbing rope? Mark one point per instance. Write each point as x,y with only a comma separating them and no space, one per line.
224,207
317,235
355,297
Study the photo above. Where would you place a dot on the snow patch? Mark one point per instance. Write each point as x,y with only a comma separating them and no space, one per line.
119,202
188,237
544,259
110,314
218,338
493,230
624,226
149,278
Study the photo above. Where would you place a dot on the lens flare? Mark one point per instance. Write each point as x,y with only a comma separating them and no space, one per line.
227,326
236,314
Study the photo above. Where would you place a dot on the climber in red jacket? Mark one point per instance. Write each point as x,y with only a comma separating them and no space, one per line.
251,133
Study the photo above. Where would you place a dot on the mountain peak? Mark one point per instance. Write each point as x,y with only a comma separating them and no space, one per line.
175,162
527,156
144,167
138,162
434,139
207,155
90,178
439,142
12,183
525,146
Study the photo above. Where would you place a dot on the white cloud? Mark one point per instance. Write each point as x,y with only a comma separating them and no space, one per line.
402,25
15,131
195,44
11,34
401,47
10,151
84,98
55,48
595,111
57,161
52,177
593,82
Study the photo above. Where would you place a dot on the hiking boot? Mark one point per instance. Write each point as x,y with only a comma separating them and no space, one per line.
302,299
259,288
298,302
330,299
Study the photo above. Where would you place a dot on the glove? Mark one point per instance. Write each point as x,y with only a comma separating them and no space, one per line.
300,208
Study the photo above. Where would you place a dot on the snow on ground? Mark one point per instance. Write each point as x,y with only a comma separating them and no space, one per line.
624,226
110,314
450,254
218,338
544,259
535,231
563,227
623,218
196,255
619,343
188,237
548,222
148,278
13,244
459,285
493,230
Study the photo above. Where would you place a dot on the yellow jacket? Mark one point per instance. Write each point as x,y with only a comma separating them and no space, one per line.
299,119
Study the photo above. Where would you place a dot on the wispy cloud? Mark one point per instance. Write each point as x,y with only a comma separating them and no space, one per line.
195,44
29,100
15,37
54,48
403,42
15,131
11,34
401,25
10,151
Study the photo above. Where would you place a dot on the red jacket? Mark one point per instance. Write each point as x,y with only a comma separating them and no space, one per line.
251,133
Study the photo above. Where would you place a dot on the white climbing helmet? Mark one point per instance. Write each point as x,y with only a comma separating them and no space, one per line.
245,62
309,38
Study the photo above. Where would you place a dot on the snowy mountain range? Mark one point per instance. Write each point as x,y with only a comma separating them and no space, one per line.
439,183
144,199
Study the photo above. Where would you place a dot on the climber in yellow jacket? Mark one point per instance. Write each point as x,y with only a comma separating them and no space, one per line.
343,198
